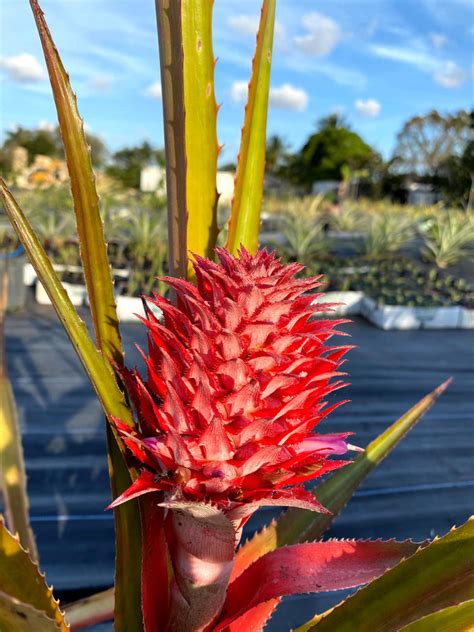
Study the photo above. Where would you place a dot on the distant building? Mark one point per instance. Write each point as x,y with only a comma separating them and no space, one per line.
153,178
225,187
419,194
323,187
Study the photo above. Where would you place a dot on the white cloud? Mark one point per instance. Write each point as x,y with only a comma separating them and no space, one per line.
322,36
413,56
238,91
369,108
248,25
438,40
449,75
102,83
287,97
284,97
23,68
46,126
154,91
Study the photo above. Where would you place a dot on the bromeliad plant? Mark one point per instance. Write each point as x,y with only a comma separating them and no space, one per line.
237,377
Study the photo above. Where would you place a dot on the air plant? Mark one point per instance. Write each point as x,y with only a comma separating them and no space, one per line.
237,377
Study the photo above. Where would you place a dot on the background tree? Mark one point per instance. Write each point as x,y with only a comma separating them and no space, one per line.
329,152
46,142
456,178
128,163
277,154
427,142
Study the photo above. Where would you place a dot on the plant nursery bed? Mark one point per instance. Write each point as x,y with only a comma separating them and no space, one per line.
403,317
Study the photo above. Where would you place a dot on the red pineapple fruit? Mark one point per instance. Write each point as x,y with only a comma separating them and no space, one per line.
237,378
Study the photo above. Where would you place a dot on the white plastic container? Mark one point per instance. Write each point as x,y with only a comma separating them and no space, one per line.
351,302
77,294
128,307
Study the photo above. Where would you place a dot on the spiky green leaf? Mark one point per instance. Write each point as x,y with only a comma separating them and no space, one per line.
102,304
99,371
245,213
171,61
12,469
23,583
200,127
16,616
86,202
459,618
435,577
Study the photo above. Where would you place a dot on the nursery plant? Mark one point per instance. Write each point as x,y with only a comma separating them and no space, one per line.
448,237
386,233
237,377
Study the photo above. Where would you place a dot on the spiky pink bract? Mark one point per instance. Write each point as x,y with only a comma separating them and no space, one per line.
237,378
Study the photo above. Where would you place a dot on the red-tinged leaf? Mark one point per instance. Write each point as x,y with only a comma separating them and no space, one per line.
144,484
255,619
154,564
296,497
311,567
202,543
334,492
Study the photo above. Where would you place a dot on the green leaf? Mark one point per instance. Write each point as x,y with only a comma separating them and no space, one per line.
12,471
20,617
128,545
86,202
334,493
91,610
12,464
104,316
99,371
435,577
200,127
245,213
127,519
21,581
459,618
190,112
171,61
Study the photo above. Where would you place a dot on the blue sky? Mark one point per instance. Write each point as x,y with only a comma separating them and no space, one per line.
376,61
